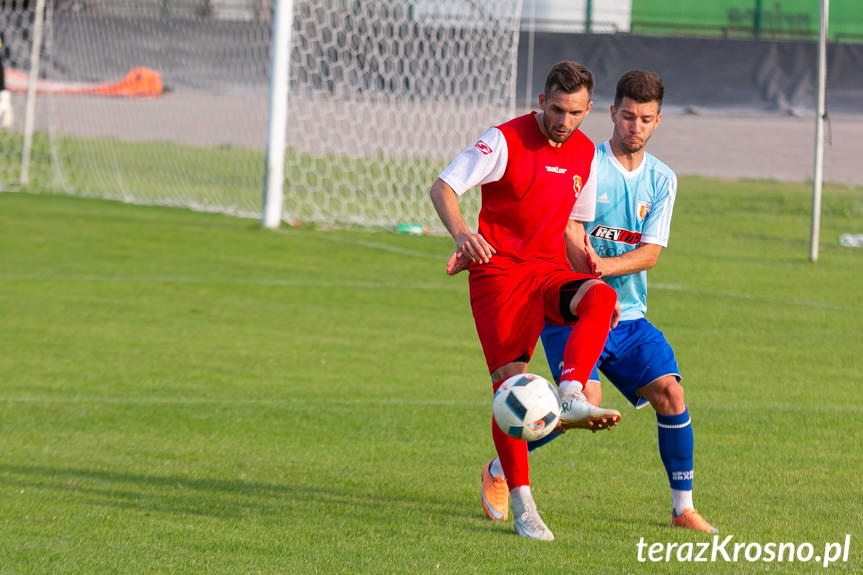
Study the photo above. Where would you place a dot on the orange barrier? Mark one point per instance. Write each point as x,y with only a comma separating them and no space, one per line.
138,83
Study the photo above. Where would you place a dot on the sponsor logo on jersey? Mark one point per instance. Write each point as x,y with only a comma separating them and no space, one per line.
616,235
483,147
642,209
555,170
603,199
576,185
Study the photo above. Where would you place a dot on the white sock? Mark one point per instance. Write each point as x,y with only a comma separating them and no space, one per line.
681,500
496,469
521,492
564,386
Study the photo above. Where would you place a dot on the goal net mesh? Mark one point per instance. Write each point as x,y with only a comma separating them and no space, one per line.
382,94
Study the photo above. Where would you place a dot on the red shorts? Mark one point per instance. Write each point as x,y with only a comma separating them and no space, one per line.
512,304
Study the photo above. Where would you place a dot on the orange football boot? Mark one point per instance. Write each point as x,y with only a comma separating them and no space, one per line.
692,519
495,495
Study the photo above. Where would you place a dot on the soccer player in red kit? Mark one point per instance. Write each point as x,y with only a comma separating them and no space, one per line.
538,187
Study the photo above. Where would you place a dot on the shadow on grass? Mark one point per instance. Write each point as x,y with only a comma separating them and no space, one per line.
221,498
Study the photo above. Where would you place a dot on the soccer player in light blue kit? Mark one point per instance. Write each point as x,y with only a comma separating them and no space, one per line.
635,199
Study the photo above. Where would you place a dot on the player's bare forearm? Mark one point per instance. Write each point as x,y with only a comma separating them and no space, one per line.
446,205
574,238
470,247
641,258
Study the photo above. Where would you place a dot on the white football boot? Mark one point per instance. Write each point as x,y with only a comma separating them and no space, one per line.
577,413
527,521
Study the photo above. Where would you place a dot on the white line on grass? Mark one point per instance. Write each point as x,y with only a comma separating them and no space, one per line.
383,246
372,285
755,297
113,400
303,283
386,247
78,399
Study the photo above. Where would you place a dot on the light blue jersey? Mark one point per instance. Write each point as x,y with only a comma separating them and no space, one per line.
631,208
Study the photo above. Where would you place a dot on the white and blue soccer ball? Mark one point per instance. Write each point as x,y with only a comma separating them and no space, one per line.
526,406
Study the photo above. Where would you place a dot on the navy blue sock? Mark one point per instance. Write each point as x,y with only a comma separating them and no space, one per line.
531,445
675,448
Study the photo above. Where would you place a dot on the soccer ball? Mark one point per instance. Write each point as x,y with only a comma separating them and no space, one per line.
526,406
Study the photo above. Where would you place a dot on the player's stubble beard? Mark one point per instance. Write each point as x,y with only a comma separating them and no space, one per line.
630,148
550,130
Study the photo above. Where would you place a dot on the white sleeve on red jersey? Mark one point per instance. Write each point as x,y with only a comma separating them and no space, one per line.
482,163
584,209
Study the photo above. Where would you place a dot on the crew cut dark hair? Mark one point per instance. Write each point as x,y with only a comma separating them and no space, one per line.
641,86
568,77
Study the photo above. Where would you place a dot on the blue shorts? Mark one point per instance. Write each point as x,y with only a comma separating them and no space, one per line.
635,354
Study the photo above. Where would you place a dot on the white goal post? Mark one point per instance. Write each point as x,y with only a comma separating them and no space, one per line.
383,93
277,119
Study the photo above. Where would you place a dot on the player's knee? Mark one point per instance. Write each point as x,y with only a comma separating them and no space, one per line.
605,294
665,395
674,395
504,372
599,286
599,299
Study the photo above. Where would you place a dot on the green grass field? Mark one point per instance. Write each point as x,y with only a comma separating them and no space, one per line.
189,393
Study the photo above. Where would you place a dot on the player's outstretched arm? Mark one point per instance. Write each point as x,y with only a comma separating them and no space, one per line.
641,258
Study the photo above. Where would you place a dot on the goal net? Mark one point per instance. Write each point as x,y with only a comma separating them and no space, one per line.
141,101
383,95
153,102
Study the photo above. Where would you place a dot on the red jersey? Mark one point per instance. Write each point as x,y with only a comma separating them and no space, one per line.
529,188
524,214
